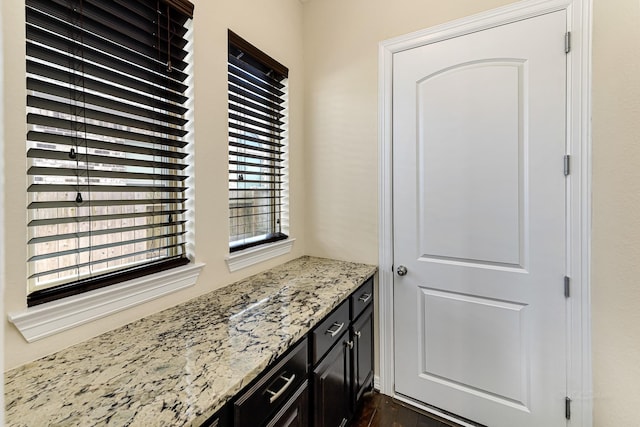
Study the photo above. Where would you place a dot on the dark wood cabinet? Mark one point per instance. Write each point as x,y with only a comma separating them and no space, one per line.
275,387
329,332
296,411
346,370
362,337
332,386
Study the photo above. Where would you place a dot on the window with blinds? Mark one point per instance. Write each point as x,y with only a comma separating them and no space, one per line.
107,114
257,146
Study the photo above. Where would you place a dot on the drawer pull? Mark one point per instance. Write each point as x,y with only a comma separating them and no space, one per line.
276,394
338,327
364,297
357,333
349,344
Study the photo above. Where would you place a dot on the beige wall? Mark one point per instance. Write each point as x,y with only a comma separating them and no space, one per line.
340,45
616,213
341,59
274,26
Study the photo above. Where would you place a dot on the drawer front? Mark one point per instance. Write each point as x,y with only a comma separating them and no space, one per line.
361,298
296,412
330,330
276,386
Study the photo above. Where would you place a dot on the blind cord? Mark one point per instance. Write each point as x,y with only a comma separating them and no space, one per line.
86,147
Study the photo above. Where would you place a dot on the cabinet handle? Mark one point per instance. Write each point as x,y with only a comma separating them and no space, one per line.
364,297
334,332
349,344
276,394
357,333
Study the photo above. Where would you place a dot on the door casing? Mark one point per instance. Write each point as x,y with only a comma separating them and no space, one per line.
578,327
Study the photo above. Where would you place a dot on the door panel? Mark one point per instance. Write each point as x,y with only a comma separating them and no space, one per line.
465,337
469,193
479,134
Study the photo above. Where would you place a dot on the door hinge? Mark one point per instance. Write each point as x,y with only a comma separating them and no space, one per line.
567,164
567,287
567,42
567,408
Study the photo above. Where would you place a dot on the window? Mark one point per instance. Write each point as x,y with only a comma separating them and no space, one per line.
257,146
107,114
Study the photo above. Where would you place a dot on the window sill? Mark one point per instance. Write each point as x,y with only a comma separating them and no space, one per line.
248,257
48,319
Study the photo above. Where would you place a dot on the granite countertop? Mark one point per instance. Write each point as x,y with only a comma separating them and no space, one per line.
179,366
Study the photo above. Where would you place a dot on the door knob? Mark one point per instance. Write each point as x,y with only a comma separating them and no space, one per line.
402,270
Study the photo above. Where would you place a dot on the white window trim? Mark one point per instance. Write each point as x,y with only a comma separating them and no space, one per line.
251,256
50,318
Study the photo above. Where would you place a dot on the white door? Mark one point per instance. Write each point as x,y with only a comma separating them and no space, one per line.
479,223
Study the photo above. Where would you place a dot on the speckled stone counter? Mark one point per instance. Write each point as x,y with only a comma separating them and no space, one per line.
179,366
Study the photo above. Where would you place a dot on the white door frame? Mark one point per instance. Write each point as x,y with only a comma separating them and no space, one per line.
578,328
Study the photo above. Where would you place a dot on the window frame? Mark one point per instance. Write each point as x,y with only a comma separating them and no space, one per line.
257,83
138,271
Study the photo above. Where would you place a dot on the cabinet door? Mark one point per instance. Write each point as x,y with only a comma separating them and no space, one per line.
362,333
332,386
295,413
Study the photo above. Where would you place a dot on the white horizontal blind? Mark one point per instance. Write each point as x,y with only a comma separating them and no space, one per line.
107,112
257,145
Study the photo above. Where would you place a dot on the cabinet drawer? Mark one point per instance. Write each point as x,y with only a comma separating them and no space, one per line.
296,412
330,330
361,298
276,386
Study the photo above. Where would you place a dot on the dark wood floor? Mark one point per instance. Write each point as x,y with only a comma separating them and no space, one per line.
378,410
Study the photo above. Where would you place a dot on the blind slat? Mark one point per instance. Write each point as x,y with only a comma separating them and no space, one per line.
38,119
244,137
84,113
83,188
253,131
105,246
47,138
243,111
130,255
97,173
239,103
254,156
234,199
86,82
241,93
110,202
245,173
255,206
115,22
87,69
269,86
249,147
103,160
102,101
256,90
95,218
96,233
253,164
273,190
91,37
266,125
94,62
